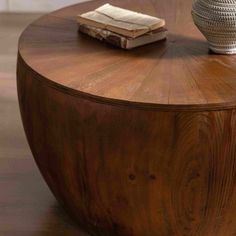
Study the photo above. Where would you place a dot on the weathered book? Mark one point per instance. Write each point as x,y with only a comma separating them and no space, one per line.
121,21
123,41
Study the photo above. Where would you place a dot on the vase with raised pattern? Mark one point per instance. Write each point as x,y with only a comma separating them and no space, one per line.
216,19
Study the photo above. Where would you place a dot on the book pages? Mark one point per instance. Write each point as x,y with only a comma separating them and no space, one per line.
123,41
121,21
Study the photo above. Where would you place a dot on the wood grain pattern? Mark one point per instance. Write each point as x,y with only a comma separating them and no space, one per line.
179,73
132,143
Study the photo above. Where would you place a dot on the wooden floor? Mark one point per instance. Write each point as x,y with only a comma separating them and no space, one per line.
27,207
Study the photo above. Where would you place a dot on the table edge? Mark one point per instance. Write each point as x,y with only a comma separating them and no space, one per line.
113,101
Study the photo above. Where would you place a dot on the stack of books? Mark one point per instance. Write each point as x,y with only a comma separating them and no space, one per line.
120,27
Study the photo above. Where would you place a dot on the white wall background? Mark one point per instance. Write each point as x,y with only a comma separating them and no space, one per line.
3,5
34,5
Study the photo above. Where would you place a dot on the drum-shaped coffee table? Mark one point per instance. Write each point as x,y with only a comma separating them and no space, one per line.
139,142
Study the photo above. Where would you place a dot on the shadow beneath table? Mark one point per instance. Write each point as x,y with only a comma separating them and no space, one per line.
57,222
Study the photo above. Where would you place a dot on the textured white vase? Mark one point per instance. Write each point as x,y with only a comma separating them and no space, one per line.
216,19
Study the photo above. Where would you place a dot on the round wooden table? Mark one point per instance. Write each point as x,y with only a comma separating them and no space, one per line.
139,142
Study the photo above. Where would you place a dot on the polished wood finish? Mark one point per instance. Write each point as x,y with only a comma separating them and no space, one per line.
175,74
138,142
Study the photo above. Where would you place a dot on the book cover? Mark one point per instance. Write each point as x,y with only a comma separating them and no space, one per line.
123,41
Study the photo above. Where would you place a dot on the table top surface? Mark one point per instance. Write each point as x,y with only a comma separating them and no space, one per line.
179,73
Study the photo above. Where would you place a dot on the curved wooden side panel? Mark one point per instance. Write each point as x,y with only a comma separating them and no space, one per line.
126,171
